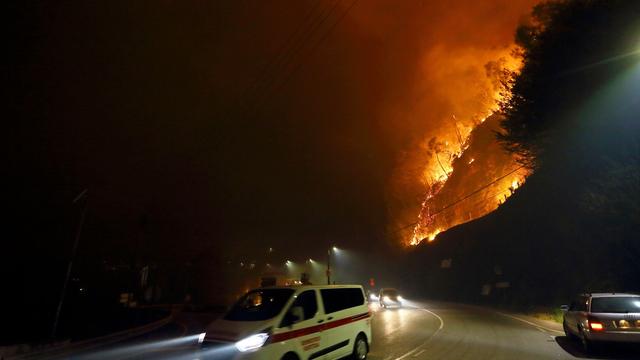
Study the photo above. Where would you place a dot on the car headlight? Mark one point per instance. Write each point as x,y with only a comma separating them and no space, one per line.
201,338
386,298
373,297
400,298
252,342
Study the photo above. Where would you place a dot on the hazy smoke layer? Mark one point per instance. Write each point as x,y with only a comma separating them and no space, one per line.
457,51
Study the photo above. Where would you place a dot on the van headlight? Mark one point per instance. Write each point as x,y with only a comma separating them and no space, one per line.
252,342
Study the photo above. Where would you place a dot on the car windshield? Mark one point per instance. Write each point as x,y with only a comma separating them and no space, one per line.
259,305
390,292
616,305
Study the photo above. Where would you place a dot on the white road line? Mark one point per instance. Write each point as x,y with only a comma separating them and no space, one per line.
436,315
531,323
415,352
419,353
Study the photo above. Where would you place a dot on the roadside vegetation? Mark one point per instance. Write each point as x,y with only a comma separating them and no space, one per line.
547,313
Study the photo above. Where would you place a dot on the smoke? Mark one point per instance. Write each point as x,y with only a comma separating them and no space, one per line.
247,125
453,55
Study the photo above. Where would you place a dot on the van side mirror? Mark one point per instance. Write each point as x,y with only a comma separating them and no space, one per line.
564,308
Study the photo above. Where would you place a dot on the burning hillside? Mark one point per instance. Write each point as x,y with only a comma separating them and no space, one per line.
451,169
474,182
420,81
467,173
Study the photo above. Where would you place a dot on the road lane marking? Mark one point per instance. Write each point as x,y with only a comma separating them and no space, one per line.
436,315
539,327
419,353
414,352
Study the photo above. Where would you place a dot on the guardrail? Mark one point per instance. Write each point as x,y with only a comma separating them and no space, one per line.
68,348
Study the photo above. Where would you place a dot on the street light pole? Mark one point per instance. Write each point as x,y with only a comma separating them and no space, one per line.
329,266
70,266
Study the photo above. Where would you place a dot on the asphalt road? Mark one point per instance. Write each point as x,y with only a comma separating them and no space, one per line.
425,330
451,331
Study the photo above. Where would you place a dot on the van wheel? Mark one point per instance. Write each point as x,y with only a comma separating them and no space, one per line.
360,348
290,356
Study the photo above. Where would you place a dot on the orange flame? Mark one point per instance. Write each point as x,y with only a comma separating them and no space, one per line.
450,200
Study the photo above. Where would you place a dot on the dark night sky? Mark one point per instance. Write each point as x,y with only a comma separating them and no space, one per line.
165,112
145,106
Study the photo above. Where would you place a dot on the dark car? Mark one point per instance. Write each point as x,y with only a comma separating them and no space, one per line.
390,297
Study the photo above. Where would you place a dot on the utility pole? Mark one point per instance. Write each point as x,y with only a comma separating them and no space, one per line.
329,266
73,255
334,250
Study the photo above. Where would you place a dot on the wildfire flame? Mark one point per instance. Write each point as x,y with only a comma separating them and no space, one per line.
470,175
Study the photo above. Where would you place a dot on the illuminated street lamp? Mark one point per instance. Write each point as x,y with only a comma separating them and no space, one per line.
333,249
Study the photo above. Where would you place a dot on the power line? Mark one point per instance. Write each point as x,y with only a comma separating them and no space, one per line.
476,191
322,39
273,64
290,50
303,57
459,200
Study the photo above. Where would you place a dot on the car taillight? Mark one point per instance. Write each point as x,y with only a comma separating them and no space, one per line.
595,324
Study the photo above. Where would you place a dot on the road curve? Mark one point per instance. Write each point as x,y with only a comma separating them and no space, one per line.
430,330
421,330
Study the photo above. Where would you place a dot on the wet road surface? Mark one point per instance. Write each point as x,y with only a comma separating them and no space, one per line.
421,330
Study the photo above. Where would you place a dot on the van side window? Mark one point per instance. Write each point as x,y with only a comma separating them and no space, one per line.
340,299
304,307
307,300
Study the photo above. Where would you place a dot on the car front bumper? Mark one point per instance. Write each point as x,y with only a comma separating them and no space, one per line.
391,303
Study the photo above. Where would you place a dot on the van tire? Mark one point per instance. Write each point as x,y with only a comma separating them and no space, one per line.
360,348
290,356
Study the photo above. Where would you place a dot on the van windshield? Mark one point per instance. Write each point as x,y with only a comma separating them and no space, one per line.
616,305
257,305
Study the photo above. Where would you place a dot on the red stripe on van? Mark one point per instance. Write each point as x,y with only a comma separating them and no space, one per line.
316,328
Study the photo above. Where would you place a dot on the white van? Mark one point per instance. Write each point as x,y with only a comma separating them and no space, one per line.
302,322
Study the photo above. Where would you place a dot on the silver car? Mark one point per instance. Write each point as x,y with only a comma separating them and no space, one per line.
603,317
